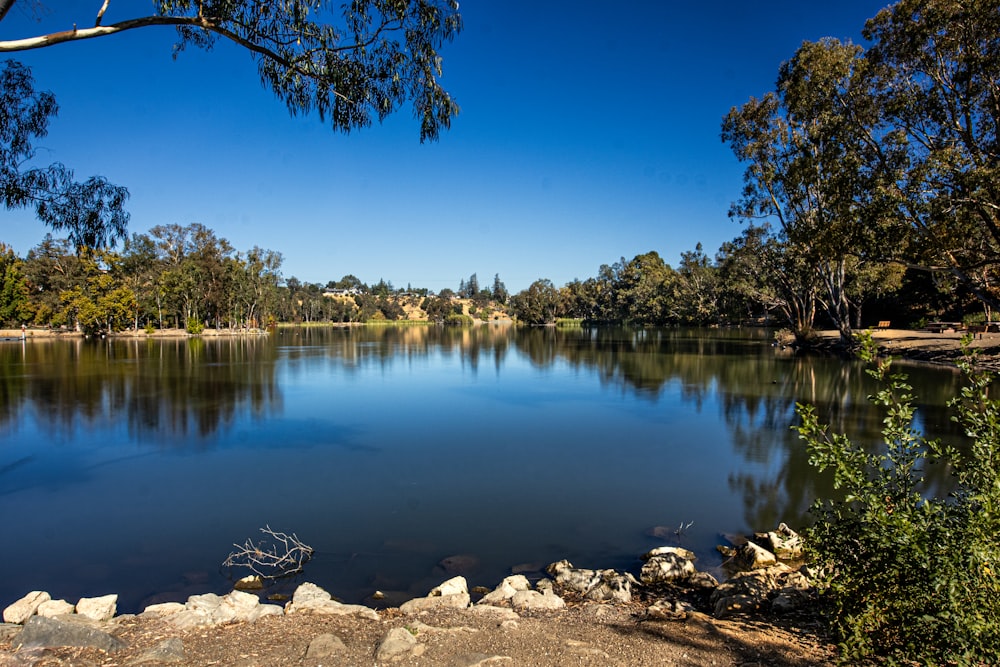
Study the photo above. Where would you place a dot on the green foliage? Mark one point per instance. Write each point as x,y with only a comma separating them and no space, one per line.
195,326
150,329
911,578
458,319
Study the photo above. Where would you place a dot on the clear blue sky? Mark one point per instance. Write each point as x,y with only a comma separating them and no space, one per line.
589,131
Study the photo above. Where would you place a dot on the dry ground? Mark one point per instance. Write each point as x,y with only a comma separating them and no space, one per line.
581,635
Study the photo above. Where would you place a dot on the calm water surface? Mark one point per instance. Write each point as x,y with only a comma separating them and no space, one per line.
132,466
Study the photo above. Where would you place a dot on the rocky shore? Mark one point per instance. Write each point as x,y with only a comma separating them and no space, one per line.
672,613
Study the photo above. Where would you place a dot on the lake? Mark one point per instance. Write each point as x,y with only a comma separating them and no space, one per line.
133,466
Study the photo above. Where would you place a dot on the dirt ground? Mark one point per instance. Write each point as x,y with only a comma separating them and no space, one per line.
581,635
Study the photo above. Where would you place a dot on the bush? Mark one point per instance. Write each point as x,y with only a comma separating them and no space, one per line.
911,578
150,329
195,327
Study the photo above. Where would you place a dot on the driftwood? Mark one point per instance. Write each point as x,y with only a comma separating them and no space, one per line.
279,555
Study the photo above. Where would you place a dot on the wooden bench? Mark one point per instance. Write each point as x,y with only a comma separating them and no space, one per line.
883,324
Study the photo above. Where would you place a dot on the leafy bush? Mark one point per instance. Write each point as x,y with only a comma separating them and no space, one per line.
195,327
911,578
150,329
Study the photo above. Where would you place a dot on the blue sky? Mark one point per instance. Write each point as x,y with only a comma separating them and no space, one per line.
589,131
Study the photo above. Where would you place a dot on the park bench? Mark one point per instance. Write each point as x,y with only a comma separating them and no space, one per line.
883,324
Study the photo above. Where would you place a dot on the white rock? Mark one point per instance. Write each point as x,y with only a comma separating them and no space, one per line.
308,592
52,608
666,568
262,610
454,586
100,609
23,609
238,605
396,644
506,590
500,613
679,551
753,557
164,608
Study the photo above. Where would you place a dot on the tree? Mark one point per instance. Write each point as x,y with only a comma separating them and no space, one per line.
936,81
349,69
13,288
810,169
537,304
93,212
500,293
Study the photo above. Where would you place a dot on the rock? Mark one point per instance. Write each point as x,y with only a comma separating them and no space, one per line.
9,630
100,609
576,580
239,605
52,608
252,582
735,604
454,586
702,580
325,646
169,650
666,568
535,601
669,610
417,605
20,611
459,564
41,632
753,557
262,610
506,590
785,543
660,551
395,645
164,608
313,599
611,586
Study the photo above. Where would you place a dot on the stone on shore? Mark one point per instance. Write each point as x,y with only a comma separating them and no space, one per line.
397,644
99,609
53,608
660,551
23,609
535,601
506,590
452,594
753,557
41,632
666,568
164,608
310,598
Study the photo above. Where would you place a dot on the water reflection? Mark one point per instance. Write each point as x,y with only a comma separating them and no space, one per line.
510,444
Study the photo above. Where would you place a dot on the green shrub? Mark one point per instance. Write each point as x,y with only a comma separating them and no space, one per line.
911,578
455,319
195,327
150,329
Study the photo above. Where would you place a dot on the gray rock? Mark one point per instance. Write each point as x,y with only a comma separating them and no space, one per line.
733,605
666,568
169,650
23,609
238,606
325,646
395,645
41,632
251,582
753,557
702,580
669,610
535,601
611,586
100,609
459,564
576,580
53,608
9,630
785,543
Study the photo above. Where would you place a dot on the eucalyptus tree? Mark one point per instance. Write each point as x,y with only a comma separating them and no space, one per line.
810,169
349,67
696,289
936,79
538,304
50,268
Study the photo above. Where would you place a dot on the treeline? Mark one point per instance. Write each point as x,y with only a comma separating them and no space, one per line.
188,277
870,190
